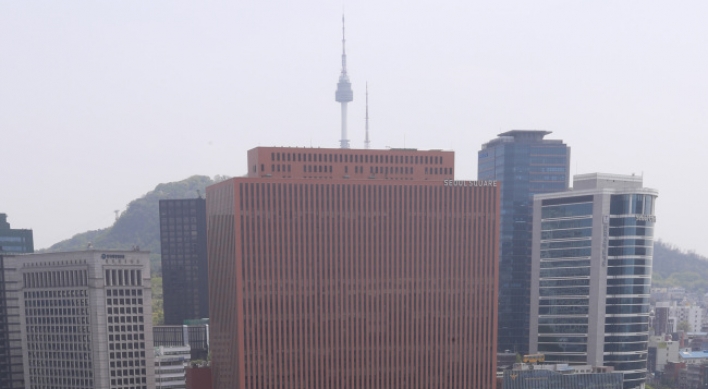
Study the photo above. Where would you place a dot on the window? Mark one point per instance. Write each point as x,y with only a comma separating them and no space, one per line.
569,210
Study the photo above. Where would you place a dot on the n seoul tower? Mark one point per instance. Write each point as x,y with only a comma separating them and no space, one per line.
344,93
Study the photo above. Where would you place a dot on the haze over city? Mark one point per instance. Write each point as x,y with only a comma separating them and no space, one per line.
100,102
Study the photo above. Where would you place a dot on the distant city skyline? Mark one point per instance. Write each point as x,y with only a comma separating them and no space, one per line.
95,97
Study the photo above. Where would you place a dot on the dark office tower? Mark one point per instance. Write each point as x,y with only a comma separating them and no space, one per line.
353,283
525,164
184,260
11,366
591,272
14,241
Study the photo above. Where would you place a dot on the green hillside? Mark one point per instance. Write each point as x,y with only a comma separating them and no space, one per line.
139,225
674,267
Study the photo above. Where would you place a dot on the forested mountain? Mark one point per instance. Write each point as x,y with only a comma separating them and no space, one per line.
139,224
674,267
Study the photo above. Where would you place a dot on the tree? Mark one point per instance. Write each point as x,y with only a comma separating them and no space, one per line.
158,314
684,326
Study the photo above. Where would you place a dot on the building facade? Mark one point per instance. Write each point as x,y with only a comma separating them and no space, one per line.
695,376
198,377
85,319
11,366
196,336
550,379
661,351
183,244
17,241
170,363
662,313
354,164
525,164
689,317
349,283
592,255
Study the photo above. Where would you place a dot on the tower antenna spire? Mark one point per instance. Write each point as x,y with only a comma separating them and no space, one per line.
344,47
344,94
367,142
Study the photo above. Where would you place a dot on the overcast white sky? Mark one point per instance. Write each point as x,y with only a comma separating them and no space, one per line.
101,101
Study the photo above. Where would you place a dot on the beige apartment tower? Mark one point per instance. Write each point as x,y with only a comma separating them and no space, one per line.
85,319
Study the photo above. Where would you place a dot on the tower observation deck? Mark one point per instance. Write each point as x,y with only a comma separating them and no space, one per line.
344,93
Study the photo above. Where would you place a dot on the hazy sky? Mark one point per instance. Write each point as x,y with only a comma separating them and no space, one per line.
101,101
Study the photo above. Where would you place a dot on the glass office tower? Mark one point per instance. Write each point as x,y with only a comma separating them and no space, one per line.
591,272
16,241
525,164
183,243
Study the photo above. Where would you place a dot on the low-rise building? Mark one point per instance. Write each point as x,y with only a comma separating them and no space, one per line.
695,376
664,349
561,376
196,336
199,377
170,363
693,357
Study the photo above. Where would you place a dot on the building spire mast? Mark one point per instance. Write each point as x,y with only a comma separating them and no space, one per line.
344,48
367,142
344,94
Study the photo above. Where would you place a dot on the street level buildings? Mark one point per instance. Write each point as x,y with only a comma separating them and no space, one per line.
352,278
592,256
17,241
525,164
183,244
85,319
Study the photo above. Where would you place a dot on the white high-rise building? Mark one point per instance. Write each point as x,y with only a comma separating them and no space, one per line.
690,314
591,274
85,319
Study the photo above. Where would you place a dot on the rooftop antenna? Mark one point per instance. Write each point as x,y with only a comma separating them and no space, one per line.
367,142
344,94
117,211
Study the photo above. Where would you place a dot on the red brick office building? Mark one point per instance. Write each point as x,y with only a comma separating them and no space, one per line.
373,273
